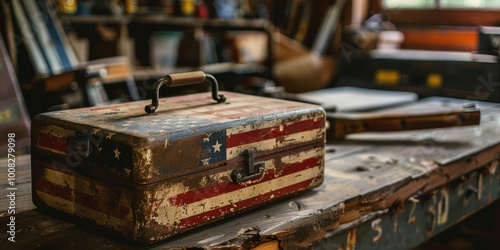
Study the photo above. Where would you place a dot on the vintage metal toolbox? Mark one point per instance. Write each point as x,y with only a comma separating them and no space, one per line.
191,161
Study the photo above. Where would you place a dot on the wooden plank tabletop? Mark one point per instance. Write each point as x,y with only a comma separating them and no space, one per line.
364,174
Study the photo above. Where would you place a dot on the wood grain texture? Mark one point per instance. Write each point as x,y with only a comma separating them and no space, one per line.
365,174
22,183
349,123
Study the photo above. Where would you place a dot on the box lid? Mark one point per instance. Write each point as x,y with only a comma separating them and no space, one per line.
187,134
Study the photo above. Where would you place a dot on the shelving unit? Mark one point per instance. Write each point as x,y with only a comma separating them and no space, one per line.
192,52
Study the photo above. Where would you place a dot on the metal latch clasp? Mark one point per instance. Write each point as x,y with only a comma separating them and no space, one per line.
250,171
78,145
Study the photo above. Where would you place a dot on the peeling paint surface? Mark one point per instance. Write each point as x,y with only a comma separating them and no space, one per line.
150,177
166,209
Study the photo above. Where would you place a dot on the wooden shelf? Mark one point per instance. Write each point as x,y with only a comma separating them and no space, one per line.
95,19
133,25
254,24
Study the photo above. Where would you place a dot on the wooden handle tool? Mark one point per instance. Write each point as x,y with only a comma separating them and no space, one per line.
342,124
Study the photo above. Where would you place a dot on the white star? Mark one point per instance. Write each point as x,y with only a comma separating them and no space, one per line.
206,137
117,153
95,131
205,161
216,146
99,149
110,134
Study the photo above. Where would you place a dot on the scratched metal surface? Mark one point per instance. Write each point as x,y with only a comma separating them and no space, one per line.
363,175
184,113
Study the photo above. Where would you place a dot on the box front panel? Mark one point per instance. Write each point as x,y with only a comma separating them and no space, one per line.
149,213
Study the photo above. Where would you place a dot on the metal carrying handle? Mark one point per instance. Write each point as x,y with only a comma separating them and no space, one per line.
181,79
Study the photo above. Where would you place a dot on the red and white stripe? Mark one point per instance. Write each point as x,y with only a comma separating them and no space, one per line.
188,207
174,204
272,135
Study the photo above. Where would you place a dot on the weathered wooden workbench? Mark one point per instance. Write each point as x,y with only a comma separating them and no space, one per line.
389,191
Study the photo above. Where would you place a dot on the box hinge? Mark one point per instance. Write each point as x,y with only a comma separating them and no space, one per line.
79,146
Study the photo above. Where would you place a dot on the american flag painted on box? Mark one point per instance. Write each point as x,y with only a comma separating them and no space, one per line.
173,207
178,164
187,133
230,143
